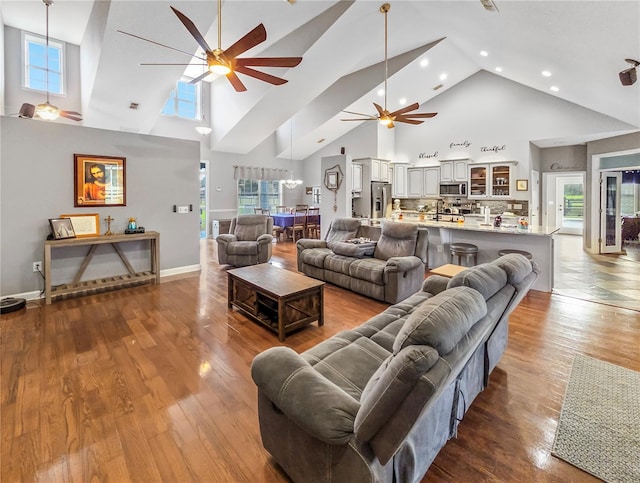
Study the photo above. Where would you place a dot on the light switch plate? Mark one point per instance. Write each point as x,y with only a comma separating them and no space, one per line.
183,209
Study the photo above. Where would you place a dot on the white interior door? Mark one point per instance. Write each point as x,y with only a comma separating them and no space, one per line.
570,204
610,220
535,199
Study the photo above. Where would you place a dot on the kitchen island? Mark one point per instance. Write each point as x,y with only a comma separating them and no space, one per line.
537,240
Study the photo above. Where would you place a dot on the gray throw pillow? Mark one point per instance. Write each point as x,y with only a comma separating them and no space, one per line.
442,320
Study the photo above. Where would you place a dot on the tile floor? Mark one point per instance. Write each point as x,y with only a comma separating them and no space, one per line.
607,279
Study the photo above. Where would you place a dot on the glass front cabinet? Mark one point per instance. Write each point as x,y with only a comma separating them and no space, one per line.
491,180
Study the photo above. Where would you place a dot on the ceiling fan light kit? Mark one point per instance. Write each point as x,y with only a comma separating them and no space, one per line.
384,116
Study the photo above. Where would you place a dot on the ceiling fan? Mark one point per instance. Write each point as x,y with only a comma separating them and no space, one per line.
226,61
384,116
46,110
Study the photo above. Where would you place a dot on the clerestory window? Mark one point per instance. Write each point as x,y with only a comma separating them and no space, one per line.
184,101
43,68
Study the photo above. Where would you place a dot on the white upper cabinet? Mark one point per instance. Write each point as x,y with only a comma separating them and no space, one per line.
380,170
423,182
454,171
399,183
356,177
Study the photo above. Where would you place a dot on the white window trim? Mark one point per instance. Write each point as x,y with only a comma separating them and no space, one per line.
31,37
198,101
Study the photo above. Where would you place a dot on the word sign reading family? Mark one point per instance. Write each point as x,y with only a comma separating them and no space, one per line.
463,144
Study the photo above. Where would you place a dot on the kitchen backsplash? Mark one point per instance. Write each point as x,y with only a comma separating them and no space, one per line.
517,207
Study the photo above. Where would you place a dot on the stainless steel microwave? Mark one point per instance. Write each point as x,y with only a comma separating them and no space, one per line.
453,189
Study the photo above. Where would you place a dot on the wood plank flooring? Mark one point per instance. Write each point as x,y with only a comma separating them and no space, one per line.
153,384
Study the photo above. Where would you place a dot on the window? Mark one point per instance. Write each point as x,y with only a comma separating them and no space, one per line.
255,193
184,101
35,64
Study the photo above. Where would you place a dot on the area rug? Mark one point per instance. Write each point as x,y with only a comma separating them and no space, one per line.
599,427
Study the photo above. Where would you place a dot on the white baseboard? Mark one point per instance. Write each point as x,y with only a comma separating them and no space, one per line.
27,295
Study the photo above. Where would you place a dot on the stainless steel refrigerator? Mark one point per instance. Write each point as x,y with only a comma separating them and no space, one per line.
380,200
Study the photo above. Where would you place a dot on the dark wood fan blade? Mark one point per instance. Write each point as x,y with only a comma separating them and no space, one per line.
27,111
236,82
407,120
412,107
420,114
271,79
190,54
71,115
253,38
193,30
269,61
199,78
379,109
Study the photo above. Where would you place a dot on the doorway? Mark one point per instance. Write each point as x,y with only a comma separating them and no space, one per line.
204,197
564,198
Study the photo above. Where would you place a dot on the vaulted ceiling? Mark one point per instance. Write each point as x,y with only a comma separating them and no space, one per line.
581,44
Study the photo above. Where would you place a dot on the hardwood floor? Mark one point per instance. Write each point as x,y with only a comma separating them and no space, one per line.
153,383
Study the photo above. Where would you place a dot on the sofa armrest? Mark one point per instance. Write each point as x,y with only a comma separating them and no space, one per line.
435,284
264,239
226,238
402,264
305,243
306,397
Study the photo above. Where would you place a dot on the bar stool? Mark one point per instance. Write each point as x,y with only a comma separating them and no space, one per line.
506,251
465,250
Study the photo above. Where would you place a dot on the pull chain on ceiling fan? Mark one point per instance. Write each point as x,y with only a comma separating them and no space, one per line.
46,110
226,61
384,116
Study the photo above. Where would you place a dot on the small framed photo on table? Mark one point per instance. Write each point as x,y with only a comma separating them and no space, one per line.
522,184
61,228
84,225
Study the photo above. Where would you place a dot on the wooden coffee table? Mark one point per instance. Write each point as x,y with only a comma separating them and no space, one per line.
280,300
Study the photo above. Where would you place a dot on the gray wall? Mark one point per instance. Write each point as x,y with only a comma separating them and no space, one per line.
36,183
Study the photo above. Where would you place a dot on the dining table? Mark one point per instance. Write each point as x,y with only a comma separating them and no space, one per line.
285,220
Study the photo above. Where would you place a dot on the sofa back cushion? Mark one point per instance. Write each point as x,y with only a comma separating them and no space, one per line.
250,227
342,229
487,279
389,386
442,320
396,240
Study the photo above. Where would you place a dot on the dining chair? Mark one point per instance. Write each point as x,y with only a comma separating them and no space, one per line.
302,207
281,209
299,223
313,222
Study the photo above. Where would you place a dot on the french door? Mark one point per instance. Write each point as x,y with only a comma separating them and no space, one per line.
610,219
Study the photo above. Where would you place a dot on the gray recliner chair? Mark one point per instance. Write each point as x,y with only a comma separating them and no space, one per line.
248,241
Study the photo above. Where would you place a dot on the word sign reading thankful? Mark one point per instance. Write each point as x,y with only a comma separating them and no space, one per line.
494,149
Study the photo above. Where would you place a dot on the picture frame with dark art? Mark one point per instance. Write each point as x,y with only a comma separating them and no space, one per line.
99,181
522,184
61,228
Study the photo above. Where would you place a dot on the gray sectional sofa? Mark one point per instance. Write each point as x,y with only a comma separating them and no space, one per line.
377,403
390,269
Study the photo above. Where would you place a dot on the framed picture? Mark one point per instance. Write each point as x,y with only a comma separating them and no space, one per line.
84,225
333,178
99,181
522,184
61,228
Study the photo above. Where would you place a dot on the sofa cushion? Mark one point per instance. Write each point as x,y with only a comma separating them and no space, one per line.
338,263
353,250
315,256
250,227
389,386
342,229
516,266
242,248
369,269
442,320
396,240
487,279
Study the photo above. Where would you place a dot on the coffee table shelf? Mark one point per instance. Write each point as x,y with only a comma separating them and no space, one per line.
278,299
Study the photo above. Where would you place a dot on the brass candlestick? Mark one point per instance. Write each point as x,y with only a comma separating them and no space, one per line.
108,219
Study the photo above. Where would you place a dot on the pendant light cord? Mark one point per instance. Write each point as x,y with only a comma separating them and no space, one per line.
219,24
386,67
46,72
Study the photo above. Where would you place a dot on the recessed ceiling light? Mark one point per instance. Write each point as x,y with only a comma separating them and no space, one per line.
484,53
402,101
424,63
443,76
554,88
381,92
498,69
546,73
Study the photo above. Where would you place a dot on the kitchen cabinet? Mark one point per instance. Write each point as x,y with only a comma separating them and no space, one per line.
356,177
453,171
491,180
380,170
399,182
423,182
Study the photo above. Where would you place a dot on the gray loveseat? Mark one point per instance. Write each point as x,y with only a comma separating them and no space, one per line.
390,271
377,403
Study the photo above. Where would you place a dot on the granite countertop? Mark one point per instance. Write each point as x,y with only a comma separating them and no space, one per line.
475,226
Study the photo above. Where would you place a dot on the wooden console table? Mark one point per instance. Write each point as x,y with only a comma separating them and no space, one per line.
132,277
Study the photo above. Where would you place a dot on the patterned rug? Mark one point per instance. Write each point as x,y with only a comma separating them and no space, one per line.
599,427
